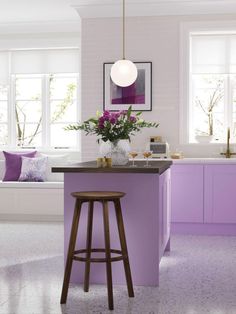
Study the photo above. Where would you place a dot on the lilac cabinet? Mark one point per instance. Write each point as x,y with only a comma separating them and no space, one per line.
187,193
220,194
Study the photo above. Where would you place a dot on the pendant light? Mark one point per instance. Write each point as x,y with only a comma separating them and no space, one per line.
124,72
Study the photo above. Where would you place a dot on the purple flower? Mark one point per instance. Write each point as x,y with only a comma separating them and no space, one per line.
123,112
101,126
132,119
101,120
106,113
113,120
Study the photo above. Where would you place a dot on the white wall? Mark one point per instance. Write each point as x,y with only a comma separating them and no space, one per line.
155,39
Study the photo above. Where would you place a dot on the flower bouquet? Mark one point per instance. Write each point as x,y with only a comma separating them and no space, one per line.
112,128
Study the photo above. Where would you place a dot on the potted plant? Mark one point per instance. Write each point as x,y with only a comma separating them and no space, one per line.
113,130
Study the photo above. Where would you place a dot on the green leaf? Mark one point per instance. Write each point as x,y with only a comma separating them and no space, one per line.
94,120
129,112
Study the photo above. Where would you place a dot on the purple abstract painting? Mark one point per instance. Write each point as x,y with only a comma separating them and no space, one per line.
133,94
138,95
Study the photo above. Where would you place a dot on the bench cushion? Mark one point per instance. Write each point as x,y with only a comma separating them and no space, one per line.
31,185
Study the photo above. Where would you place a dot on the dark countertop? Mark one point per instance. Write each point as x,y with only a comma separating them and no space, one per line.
91,167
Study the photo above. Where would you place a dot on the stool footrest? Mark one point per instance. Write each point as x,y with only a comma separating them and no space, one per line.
98,259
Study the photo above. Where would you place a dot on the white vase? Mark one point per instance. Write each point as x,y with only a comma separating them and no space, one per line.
117,150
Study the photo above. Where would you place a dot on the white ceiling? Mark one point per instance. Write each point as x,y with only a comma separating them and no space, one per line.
26,11
14,11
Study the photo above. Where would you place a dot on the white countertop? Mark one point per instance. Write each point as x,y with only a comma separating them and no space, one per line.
202,160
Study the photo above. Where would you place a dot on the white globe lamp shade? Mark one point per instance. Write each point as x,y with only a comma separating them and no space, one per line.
124,73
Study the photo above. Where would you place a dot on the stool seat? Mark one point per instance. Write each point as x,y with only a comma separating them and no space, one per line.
97,195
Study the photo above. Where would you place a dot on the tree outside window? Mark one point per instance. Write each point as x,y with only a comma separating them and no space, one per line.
208,105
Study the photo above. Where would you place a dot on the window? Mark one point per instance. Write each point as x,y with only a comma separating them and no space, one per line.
3,116
212,85
36,107
63,108
27,102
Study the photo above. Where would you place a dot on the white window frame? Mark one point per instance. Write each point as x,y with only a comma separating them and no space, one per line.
186,28
11,125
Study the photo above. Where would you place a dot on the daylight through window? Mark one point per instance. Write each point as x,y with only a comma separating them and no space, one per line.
36,106
212,86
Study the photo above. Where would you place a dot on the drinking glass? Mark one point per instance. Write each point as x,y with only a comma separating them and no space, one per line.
133,153
146,155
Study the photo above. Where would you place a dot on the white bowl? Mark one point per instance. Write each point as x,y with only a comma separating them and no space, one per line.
204,138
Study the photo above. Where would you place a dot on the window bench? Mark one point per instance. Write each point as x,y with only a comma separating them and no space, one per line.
40,201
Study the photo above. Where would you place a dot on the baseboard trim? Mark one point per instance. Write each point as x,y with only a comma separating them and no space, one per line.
203,229
29,217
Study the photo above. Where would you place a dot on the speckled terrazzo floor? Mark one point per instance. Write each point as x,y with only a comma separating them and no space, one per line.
198,276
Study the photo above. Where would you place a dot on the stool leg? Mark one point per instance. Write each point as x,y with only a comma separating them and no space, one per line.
108,255
124,249
88,246
71,248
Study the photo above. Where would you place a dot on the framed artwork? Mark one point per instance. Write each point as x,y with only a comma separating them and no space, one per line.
138,95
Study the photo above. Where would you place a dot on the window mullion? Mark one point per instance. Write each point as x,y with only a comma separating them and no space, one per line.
78,109
227,109
190,109
228,89
230,104
44,112
48,113
11,112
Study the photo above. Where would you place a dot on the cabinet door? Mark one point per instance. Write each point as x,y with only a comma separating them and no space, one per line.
187,193
164,210
220,194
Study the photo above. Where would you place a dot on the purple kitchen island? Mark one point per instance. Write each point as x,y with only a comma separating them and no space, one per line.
146,214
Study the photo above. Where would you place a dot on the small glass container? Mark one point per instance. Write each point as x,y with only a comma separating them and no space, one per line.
108,162
147,154
100,162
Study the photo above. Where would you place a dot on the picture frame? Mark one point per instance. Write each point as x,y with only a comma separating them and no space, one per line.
138,95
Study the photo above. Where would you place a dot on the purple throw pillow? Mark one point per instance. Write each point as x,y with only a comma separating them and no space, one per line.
13,164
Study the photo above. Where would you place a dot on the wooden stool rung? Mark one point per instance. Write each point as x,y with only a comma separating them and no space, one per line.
98,259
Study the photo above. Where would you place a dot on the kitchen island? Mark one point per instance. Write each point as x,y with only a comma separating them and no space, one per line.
146,214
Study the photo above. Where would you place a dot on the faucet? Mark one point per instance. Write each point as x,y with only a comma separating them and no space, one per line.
228,152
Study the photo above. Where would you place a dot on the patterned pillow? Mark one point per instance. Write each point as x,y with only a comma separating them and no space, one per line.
33,169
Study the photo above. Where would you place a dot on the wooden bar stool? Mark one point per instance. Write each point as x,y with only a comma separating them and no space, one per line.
103,197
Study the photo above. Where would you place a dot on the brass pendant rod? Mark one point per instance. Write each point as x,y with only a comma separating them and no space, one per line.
123,29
